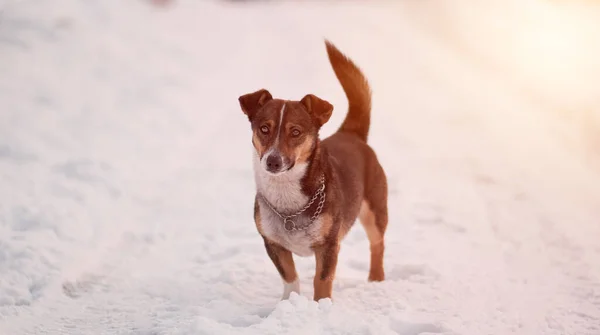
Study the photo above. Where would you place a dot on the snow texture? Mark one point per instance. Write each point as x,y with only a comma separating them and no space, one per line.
126,166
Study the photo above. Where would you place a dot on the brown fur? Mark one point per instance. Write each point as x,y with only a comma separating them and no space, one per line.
370,222
304,150
257,221
283,260
355,181
326,257
357,91
258,145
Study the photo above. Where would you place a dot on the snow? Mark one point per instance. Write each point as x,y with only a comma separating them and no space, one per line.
126,166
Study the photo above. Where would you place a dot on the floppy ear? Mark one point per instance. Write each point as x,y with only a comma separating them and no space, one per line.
252,102
319,109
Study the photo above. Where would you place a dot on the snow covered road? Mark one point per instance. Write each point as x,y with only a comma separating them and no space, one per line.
127,186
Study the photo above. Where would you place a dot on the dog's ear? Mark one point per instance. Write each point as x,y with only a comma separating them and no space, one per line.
318,108
252,102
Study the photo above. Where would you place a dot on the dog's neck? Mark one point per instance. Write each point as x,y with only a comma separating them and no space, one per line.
290,191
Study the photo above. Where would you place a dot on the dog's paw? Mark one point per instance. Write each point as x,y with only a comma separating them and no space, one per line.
288,288
325,304
376,277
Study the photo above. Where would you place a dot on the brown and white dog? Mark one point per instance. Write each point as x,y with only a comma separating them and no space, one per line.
310,191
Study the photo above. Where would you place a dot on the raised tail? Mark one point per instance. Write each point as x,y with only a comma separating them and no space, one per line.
357,91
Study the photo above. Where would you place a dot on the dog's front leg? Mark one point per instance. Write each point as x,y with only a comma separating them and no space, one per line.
284,262
326,260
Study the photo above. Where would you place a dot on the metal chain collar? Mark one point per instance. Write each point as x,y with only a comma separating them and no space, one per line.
288,223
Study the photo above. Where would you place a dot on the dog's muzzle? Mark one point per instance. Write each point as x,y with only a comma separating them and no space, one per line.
276,163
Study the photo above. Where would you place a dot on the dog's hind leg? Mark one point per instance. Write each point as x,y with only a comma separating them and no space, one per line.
374,217
375,223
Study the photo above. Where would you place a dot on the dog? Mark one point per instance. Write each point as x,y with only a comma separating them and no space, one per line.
310,192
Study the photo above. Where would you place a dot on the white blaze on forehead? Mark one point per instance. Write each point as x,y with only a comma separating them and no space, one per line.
276,143
281,112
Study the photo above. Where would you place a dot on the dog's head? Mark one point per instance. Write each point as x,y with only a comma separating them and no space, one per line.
284,132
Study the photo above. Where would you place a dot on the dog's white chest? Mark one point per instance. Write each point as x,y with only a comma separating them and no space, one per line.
299,242
284,192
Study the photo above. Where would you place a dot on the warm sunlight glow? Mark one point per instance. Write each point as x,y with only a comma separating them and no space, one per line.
552,46
555,48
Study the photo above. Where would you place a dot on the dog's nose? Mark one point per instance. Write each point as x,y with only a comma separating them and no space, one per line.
274,163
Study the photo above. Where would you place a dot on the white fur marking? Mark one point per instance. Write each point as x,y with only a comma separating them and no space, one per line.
288,288
276,144
281,112
283,190
298,242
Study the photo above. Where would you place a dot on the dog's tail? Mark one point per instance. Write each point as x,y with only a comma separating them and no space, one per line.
357,91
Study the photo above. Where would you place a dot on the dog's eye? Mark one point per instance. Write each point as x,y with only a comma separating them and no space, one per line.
264,129
295,132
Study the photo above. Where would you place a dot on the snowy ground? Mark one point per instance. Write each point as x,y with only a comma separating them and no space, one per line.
127,190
